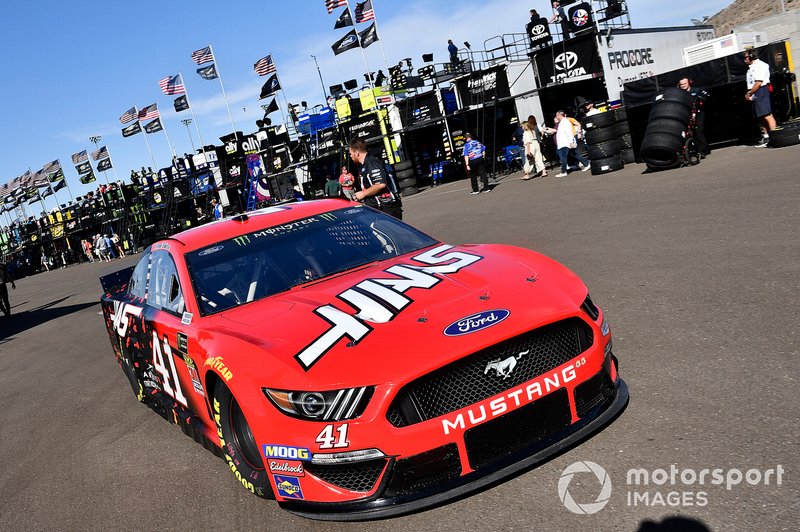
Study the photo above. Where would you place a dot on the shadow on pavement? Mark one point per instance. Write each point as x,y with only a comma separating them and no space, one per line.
674,524
16,323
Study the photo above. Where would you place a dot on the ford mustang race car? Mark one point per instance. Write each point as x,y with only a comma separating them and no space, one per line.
352,367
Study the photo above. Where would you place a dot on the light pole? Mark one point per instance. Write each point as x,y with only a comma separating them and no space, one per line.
96,140
186,122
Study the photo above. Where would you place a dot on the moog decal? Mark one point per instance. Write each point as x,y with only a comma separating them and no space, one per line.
379,300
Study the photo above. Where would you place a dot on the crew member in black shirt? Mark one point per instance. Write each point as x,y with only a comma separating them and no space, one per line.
377,189
700,96
5,277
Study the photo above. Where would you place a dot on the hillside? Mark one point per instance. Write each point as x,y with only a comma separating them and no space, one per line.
744,11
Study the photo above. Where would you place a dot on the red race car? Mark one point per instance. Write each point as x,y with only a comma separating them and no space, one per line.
352,367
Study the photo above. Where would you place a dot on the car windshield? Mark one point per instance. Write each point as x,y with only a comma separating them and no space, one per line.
259,264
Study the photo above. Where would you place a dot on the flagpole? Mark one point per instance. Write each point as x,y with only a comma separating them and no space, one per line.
96,139
378,35
169,140
191,110
358,37
224,96
280,84
144,134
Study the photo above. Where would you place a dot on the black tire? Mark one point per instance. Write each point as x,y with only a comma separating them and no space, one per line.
628,156
676,95
607,165
410,191
605,149
666,126
621,114
599,120
238,444
408,182
402,174
672,110
661,150
404,165
627,141
622,128
596,136
784,136
691,152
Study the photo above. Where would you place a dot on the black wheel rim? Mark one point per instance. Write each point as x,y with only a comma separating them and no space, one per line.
243,437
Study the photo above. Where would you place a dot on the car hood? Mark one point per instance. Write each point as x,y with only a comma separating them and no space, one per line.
524,289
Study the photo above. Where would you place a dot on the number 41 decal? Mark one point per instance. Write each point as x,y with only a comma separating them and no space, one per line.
169,375
327,440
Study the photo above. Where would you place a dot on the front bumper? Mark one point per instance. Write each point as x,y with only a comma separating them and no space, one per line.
392,502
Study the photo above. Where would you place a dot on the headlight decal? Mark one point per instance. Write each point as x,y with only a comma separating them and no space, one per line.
335,405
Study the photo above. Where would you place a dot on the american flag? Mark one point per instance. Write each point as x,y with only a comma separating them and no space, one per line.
264,66
150,112
364,11
203,55
80,157
128,115
51,167
333,4
101,153
172,85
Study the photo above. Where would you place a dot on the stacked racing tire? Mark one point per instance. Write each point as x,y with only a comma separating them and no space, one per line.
664,137
406,178
608,141
787,134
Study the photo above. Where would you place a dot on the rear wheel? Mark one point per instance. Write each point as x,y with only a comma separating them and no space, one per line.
238,443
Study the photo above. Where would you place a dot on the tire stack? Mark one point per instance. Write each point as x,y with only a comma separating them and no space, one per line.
663,139
608,141
787,134
406,178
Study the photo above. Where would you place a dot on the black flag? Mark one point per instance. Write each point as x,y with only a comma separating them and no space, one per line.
88,178
344,20
368,36
132,129
83,168
348,42
271,107
209,72
270,87
58,175
58,186
104,165
181,103
154,126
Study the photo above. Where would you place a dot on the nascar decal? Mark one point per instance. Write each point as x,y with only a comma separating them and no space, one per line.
286,452
380,300
288,487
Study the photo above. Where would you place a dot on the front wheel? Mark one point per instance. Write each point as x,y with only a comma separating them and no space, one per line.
238,443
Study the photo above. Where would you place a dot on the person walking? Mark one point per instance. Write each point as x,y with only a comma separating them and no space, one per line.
5,277
699,96
758,94
333,189
117,244
533,153
44,262
87,249
475,164
567,133
216,210
348,183
378,190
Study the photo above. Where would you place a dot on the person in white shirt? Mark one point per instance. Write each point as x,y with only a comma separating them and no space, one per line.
567,132
758,93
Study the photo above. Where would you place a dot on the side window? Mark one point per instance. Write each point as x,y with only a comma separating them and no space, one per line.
138,284
164,289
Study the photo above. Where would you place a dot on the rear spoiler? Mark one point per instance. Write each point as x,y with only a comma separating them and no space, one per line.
116,279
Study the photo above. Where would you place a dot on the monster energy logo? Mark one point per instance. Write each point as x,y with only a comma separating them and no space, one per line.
327,216
242,240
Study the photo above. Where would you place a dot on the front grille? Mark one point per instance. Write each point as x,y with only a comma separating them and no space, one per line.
526,427
425,470
471,379
595,391
357,476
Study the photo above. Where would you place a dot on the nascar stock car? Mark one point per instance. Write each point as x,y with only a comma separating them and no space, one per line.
352,367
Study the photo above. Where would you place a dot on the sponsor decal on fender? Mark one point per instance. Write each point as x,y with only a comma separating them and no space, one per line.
512,399
288,487
380,299
476,322
218,364
286,467
286,452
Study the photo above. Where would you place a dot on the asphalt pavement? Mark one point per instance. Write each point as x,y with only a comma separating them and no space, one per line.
697,269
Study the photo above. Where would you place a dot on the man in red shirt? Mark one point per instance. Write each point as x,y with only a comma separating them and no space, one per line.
348,183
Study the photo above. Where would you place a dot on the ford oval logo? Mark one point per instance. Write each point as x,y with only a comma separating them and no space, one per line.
476,322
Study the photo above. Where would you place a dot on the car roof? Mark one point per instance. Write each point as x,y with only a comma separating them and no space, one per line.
225,229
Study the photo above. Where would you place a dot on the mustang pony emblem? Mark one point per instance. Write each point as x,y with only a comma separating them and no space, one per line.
506,366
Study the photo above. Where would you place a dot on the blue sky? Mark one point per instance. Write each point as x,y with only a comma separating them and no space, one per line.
72,68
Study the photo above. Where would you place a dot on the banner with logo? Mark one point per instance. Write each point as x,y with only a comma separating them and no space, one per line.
364,127
257,174
539,33
419,108
580,17
579,59
483,86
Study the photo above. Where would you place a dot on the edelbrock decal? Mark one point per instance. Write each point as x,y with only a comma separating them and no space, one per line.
476,322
